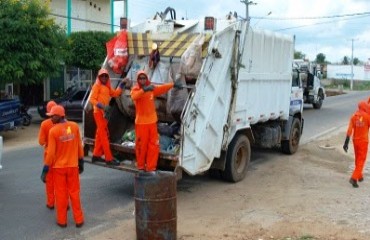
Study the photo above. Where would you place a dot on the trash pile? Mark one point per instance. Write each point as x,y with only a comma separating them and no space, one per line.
169,138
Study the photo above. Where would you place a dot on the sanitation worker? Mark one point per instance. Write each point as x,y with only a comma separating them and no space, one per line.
101,94
147,141
45,127
65,157
358,129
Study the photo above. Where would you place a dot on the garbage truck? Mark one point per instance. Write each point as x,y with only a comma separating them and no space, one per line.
238,93
310,74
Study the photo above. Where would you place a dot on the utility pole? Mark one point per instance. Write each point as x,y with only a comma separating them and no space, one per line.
352,64
247,3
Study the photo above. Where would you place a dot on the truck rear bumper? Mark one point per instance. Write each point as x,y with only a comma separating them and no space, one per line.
166,160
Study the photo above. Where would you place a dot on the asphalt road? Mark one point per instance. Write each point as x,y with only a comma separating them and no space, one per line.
22,204
333,115
106,191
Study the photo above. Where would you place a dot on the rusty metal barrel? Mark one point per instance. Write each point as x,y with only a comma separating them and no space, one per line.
155,205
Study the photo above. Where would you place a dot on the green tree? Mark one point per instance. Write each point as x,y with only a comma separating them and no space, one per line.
356,61
345,60
31,43
320,58
87,49
299,55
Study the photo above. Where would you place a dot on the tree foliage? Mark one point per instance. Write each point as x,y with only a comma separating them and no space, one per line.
345,60
31,43
87,49
299,55
356,61
320,58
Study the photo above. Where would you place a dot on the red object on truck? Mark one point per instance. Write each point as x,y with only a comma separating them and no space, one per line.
117,52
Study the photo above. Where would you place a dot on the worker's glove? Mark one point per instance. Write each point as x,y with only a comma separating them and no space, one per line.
123,83
80,165
345,146
107,111
45,171
148,88
178,84
100,105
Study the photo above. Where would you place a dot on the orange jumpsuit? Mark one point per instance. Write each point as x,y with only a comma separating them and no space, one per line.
45,127
64,150
102,93
147,140
359,128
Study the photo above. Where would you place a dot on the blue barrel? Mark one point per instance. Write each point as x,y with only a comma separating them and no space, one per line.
155,206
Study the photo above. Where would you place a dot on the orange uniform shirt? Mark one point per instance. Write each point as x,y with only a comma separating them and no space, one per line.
45,127
359,126
144,102
103,93
64,145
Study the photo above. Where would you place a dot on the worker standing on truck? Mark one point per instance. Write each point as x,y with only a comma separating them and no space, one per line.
65,157
147,141
45,127
101,94
358,127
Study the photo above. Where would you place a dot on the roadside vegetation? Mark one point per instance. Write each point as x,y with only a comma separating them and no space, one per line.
34,47
345,84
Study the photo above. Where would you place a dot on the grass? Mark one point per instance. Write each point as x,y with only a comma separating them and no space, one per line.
346,83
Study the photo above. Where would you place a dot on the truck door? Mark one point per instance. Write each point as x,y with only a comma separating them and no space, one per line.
206,112
296,96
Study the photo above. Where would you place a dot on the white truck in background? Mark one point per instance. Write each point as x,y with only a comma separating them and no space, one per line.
243,96
310,75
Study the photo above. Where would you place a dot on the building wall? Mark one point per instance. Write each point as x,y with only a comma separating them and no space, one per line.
86,15
361,73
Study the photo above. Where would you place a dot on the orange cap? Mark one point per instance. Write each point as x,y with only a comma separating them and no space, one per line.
103,71
57,110
50,105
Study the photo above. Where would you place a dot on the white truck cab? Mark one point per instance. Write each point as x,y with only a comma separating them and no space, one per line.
310,75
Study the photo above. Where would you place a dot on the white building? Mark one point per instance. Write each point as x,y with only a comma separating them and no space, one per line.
74,16
360,73
83,15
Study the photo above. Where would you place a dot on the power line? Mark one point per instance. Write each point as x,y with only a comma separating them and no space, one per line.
312,18
313,24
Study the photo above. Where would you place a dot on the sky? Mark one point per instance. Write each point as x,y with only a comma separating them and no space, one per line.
313,22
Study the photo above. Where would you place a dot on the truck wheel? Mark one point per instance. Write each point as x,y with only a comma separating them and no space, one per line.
237,159
290,146
320,99
26,120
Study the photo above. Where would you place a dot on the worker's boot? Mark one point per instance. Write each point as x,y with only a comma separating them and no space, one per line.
114,162
50,207
78,225
353,182
361,179
62,225
96,159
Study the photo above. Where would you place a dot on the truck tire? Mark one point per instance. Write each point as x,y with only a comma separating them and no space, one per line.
290,146
237,159
320,99
26,120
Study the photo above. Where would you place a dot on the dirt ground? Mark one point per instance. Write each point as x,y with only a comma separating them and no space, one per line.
303,196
